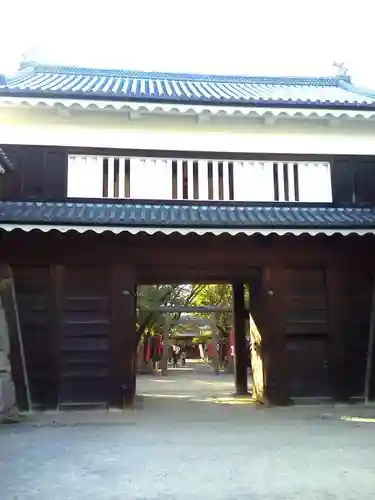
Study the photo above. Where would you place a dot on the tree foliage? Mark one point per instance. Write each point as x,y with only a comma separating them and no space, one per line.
151,297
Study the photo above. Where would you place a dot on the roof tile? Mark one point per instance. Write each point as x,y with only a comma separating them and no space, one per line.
90,83
187,215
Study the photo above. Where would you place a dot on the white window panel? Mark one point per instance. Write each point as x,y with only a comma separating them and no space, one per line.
280,180
111,177
85,177
253,181
241,180
314,182
215,180
291,187
203,179
150,179
260,186
121,192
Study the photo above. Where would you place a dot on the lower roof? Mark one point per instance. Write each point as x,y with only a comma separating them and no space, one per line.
185,218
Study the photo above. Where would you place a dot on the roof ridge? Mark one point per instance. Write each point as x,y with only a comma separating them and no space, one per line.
171,75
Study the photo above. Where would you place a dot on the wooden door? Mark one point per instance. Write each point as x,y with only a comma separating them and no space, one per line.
84,375
307,366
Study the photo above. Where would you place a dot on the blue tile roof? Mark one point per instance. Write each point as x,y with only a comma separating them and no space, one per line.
180,215
88,83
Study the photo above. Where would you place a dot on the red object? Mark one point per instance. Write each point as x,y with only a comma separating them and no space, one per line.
148,350
158,346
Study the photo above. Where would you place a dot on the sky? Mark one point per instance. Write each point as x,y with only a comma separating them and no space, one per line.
269,37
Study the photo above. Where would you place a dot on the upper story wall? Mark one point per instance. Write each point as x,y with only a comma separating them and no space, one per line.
78,128
100,154
59,173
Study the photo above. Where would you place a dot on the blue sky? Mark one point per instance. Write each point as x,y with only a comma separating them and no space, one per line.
211,36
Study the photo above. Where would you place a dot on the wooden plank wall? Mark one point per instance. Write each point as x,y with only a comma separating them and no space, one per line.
40,173
84,358
357,291
32,291
307,332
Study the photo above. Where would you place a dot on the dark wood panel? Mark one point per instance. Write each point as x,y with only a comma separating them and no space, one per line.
85,330
356,318
305,302
32,291
307,360
40,173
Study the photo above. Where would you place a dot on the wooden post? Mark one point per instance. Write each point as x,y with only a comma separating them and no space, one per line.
165,355
123,337
15,340
370,349
336,365
273,329
55,311
240,348
215,354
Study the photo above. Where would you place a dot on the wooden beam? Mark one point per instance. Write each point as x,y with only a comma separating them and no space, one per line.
273,334
192,309
165,354
55,321
240,347
123,338
15,340
370,349
215,354
336,362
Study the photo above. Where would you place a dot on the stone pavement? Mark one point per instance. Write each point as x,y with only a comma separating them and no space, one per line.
189,441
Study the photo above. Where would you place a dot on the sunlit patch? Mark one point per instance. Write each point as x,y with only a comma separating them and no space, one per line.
166,396
367,420
163,380
232,401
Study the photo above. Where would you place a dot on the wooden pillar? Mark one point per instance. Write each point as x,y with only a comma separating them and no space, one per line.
240,348
123,337
55,321
16,361
215,354
273,335
165,355
336,362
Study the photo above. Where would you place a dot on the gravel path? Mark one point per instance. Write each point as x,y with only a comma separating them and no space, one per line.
182,445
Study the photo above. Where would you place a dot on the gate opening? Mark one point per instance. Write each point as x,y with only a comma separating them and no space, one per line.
187,343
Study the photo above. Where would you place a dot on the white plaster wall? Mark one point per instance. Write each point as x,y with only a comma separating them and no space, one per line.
115,129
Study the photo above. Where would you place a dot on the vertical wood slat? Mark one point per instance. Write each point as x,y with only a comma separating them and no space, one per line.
122,179
55,315
123,340
202,180
291,188
274,342
190,167
14,341
180,182
226,194
215,179
335,299
280,176
111,177
240,350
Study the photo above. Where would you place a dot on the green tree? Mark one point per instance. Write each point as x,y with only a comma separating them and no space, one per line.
151,297
216,295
